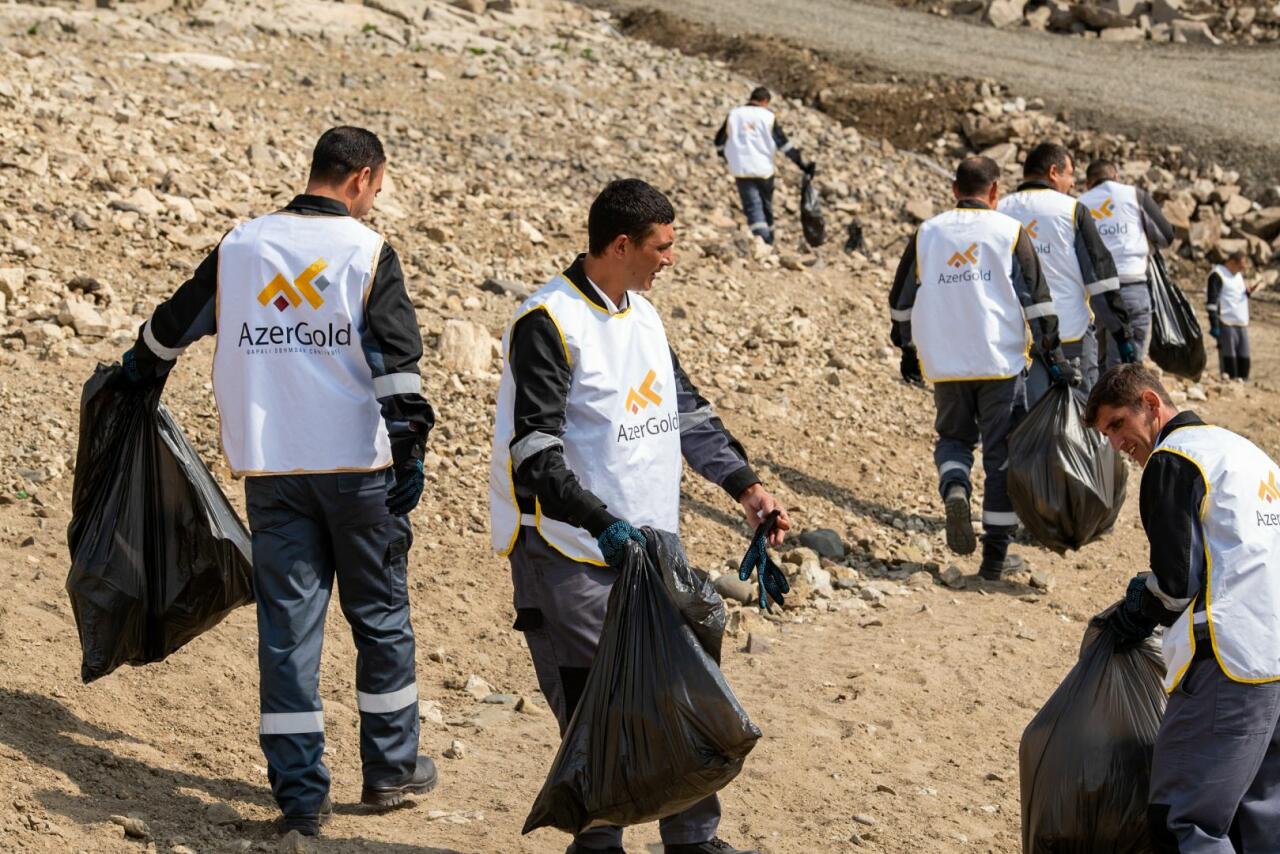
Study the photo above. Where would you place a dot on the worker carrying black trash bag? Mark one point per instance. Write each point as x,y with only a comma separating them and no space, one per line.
158,556
1085,759
658,729
1177,342
811,219
594,414
969,293
321,409
1210,505
1066,483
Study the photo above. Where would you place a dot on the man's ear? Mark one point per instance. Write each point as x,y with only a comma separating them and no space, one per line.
1150,399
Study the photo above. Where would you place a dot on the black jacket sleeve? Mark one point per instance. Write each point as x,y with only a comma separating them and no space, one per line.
1169,503
393,348
707,445
542,374
1213,292
181,320
1101,281
785,146
1034,294
902,296
722,137
1158,229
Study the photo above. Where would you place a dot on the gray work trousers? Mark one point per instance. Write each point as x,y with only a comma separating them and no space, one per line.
307,530
1233,351
1215,775
1084,352
756,195
1137,301
560,608
970,411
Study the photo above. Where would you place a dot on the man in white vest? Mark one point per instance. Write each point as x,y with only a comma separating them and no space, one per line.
1228,303
1210,504
968,300
1129,222
594,414
317,385
1075,261
748,140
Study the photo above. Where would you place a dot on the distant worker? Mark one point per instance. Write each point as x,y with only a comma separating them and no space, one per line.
1210,505
594,414
748,141
320,398
1228,299
1075,261
1129,221
968,286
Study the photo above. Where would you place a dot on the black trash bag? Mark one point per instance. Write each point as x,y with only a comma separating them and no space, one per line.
658,728
1085,758
811,219
158,555
691,590
1066,482
1177,342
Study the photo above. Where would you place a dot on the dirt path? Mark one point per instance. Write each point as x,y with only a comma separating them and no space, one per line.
1220,101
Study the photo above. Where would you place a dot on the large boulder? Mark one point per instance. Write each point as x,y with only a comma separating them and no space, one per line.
465,347
1004,13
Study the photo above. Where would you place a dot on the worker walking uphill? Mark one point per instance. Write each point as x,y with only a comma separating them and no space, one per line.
594,414
317,384
748,140
1210,504
967,287
1076,263
1129,221
1228,302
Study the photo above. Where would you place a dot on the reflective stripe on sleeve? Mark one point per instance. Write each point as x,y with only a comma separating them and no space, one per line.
389,384
381,704
952,465
1165,599
690,420
1000,520
1102,286
166,353
289,723
1043,309
900,314
531,445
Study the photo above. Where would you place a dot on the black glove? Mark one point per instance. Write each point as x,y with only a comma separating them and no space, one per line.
1128,352
613,542
810,168
773,582
407,491
1127,622
1062,372
910,366
142,373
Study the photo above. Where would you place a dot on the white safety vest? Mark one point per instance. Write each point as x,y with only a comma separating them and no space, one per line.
1240,522
294,390
1233,299
967,322
622,427
749,145
1118,216
1049,219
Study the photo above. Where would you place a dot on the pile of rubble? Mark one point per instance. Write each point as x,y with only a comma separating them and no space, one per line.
1204,22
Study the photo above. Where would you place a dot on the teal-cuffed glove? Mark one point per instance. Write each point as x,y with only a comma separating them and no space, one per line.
613,542
1127,622
773,582
407,491
1128,353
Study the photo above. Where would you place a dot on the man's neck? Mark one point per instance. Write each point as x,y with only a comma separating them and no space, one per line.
327,192
600,275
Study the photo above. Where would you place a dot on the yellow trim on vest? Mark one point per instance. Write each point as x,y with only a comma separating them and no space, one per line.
515,502
1191,633
563,341
591,303
537,518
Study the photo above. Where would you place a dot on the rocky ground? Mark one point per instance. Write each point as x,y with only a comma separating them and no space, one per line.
893,689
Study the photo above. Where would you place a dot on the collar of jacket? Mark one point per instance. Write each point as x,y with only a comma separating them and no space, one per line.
972,204
1186,418
308,204
1035,184
577,274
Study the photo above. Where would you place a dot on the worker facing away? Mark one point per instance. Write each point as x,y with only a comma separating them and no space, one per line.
968,299
1228,297
1076,263
594,414
1208,504
320,398
748,140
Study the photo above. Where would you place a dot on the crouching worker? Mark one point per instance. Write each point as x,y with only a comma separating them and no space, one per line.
1210,504
594,413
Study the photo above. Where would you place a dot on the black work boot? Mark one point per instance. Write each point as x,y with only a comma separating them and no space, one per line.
307,825
711,846
997,563
388,795
575,848
960,537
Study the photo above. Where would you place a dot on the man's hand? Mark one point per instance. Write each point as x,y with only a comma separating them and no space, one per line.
757,503
613,542
1215,330
909,367
407,491
1062,372
145,373
1127,622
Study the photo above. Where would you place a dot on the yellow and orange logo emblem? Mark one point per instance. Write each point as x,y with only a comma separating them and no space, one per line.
1031,227
645,394
1269,489
1103,211
283,294
968,256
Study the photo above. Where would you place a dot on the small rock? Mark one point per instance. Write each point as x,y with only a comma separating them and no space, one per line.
1196,393
455,750
953,577
477,687
500,699
465,347
142,202
757,645
730,587
824,541
865,819
83,318
220,814
11,279
134,827
1041,579
920,578
526,706
919,209
430,712
292,842
474,6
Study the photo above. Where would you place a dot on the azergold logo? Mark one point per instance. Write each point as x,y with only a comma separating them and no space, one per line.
969,256
1103,211
647,393
1269,489
287,294
1031,227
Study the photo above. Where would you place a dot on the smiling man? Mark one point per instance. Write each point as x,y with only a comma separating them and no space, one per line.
1208,503
594,414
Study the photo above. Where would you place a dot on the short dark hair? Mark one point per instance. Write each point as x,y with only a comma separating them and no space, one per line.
1101,170
1122,385
760,94
1238,255
343,150
975,175
630,207
1044,155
